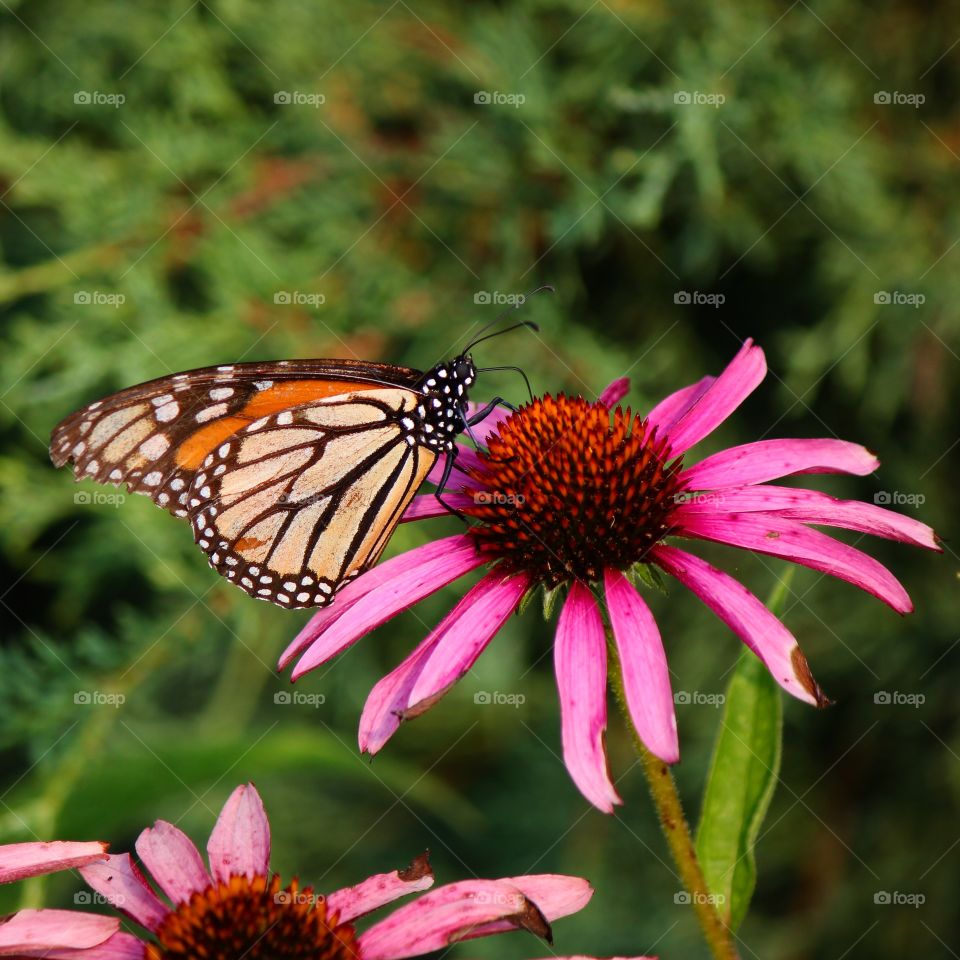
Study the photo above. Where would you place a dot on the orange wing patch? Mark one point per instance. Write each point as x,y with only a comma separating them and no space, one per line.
275,399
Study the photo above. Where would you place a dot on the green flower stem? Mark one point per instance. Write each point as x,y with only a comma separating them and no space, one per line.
663,790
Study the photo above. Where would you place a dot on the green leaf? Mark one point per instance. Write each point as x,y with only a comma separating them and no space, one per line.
740,785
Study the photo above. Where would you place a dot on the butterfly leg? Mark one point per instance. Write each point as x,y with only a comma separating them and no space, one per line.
442,485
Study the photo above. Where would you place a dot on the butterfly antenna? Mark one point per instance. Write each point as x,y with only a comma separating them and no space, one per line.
483,335
515,369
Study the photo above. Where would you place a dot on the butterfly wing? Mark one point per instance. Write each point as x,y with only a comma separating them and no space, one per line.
151,438
314,451
293,507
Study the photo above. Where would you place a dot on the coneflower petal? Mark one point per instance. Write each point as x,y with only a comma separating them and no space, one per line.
580,660
747,617
771,459
790,539
646,677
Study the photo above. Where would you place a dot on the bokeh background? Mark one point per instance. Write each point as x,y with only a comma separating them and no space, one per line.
191,183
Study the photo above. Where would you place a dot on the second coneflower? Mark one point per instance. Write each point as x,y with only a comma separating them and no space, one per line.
580,499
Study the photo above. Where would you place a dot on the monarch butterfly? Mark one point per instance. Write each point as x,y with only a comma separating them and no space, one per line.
293,474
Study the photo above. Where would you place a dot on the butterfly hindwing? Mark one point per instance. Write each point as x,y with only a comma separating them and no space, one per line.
294,505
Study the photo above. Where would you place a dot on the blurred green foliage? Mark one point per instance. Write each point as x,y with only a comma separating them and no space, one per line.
159,234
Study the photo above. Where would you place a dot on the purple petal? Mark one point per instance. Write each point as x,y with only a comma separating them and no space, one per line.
748,618
464,634
790,539
467,460
646,678
490,423
352,902
173,861
669,410
32,933
741,377
121,946
420,572
812,506
446,915
583,957
556,894
359,588
615,392
21,860
123,886
240,842
580,661
427,506
771,459
383,711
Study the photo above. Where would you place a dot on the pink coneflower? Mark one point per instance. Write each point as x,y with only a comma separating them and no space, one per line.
57,934
578,496
238,910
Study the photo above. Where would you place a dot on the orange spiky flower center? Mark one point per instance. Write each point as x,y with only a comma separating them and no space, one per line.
567,488
254,920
